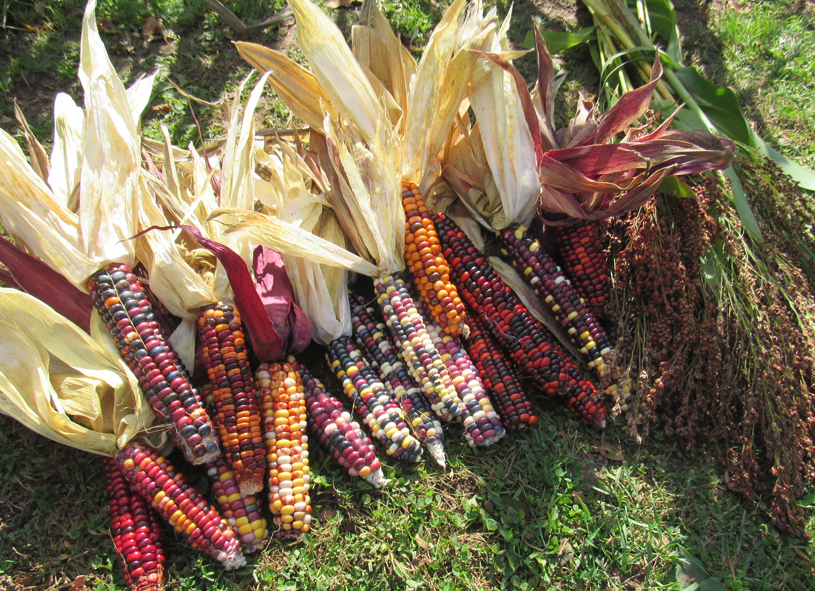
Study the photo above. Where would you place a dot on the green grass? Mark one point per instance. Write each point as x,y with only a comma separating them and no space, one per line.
542,510
767,51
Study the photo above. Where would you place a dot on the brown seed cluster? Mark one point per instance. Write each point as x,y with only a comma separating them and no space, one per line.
723,328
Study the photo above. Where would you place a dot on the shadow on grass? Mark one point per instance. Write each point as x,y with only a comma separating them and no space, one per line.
198,55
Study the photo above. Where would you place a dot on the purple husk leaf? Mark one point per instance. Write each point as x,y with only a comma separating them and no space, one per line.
690,151
34,277
546,78
560,203
275,291
626,110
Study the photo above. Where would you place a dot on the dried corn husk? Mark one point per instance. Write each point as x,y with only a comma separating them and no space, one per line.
442,78
36,220
66,154
505,137
64,384
338,72
297,87
110,174
41,219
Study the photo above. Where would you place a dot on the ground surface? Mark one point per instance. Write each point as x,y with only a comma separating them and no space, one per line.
555,508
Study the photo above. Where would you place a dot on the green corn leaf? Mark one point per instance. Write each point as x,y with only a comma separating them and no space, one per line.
712,266
663,21
718,103
742,207
557,42
675,186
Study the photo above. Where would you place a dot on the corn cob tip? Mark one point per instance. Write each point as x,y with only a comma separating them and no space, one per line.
377,478
252,485
233,560
436,451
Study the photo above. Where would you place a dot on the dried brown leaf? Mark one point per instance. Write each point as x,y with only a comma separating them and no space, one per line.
608,451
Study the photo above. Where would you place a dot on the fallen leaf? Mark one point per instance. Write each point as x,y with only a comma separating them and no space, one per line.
578,495
340,3
565,553
104,24
27,581
79,583
608,451
422,544
152,27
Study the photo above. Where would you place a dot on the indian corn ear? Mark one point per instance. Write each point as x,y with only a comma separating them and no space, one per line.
166,489
541,272
527,342
583,261
339,434
482,427
284,424
239,420
418,352
136,532
120,299
241,511
430,270
373,341
496,372
378,410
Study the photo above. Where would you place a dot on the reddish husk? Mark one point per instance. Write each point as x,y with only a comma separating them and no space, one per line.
34,277
584,174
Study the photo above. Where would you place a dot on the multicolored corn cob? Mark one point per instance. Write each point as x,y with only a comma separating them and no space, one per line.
527,342
136,532
239,420
280,389
372,340
583,261
507,392
241,511
415,346
339,434
378,409
122,304
482,426
166,489
541,272
430,270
